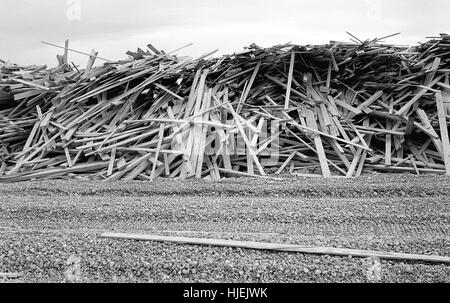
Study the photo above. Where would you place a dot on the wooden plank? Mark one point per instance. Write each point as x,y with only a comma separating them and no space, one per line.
111,162
179,139
311,122
360,137
405,169
158,149
90,63
430,131
66,52
69,160
289,82
348,107
250,167
388,142
3,168
202,132
362,159
283,166
444,132
369,101
29,84
136,171
328,77
281,247
354,164
53,172
413,162
325,115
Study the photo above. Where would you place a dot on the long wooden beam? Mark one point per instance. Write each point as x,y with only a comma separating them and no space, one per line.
282,247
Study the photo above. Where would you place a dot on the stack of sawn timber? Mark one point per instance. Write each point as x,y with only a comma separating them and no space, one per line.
339,109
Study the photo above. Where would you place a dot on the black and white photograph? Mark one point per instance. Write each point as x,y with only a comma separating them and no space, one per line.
224,147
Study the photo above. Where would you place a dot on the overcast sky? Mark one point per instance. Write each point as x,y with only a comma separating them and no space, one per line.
112,27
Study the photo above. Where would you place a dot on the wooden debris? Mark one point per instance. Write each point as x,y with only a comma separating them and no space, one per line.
338,109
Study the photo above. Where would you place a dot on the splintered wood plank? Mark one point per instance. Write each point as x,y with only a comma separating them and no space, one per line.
446,92
360,137
213,173
348,107
250,168
158,149
325,115
66,52
235,171
333,60
281,247
311,123
362,159
77,156
224,149
355,162
289,83
343,133
27,94
69,160
136,171
192,94
331,104
388,142
121,164
432,71
248,88
430,131
328,77
202,132
111,162
52,172
91,62
32,84
283,166
194,142
369,101
3,168
132,165
444,132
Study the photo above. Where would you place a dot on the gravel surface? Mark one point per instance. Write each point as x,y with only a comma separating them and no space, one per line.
49,231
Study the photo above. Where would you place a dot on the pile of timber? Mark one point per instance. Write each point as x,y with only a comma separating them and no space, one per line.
340,109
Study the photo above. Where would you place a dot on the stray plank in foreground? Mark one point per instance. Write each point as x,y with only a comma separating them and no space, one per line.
282,247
